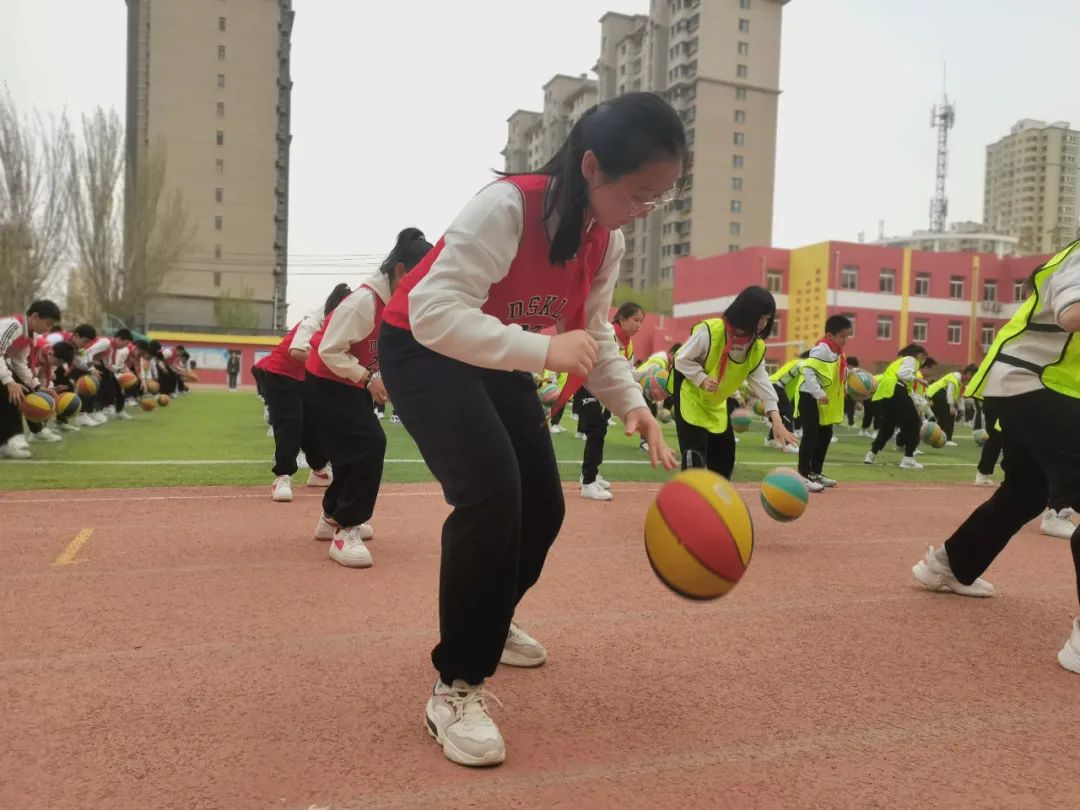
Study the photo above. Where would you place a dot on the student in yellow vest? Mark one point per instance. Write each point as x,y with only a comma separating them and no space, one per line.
821,399
559,379
849,403
720,354
593,417
785,380
895,396
663,362
945,395
1031,382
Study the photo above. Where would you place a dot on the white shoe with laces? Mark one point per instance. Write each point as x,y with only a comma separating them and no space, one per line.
99,417
522,650
326,528
935,574
348,549
1058,524
812,485
772,444
909,463
1069,655
281,491
84,420
458,719
595,492
825,481
599,479
67,427
321,478
123,416
951,443
871,458
13,451
984,480
45,436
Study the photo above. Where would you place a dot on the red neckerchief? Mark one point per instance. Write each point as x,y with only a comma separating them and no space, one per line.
621,337
728,334
835,347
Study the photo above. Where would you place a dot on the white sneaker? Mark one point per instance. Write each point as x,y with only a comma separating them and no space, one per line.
595,492
835,439
870,458
109,412
321,478
67,427
907,463
791,449
270,431
812,485
9,450
380,415
644,445
599,479
522,650
557,429
326,528
99,417
84,420
282,489
936,575
45,436
458,719
19,440
984,480
301,461
824,480
772,444
54,436
1069,656
1057,524
918,452
123,415
348,549
951,443
579,435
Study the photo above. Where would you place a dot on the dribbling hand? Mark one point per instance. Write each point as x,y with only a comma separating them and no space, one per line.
15,393
641,421
377,390
572,352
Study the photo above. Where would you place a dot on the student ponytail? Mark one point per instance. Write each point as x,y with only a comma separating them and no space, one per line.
410,248
337,295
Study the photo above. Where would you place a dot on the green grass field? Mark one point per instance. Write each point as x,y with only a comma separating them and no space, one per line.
216,437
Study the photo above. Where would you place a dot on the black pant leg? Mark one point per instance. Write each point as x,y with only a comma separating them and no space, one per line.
312,440
593,422
825,434
811,435
482,445
868,414
784,408
849,410
721,458
887,413
693,443
943,414
285,399
11,421
907,418
991,451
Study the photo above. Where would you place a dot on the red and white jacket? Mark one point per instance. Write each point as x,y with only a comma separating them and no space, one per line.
15,344
346,348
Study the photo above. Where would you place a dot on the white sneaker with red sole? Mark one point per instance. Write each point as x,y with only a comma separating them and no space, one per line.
326,528
348,549
321,478
282,489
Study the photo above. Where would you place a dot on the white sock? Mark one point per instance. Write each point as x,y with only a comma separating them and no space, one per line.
942,557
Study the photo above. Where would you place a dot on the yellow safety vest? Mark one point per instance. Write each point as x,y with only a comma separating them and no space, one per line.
658,361
1061,375
709,410
889,379
782,376
828,375
947,381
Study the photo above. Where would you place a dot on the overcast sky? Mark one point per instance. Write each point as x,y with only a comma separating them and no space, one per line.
399,108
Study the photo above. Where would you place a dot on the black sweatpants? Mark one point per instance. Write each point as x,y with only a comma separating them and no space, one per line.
898,413
939,404
699,447
784,408
354,440
1041,453
258,375
992,449
294,426
593,422
849,410
11,420
489,447
870,415
816,438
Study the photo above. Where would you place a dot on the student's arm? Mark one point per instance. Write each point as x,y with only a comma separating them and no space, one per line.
691,357
811,383
611,378
762,388
301,342
444,307
20,367
10,329
351,322
906,372
1063,293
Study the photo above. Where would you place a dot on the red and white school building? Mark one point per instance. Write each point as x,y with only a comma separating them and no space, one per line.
953,303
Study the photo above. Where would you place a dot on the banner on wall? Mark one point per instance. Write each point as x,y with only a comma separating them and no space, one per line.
210,357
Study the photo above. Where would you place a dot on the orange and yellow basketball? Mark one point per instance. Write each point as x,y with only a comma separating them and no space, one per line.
861,385
86,386
698,535
128,381
147,402
163,400
37,407
68,405
152,386
932,434
783,494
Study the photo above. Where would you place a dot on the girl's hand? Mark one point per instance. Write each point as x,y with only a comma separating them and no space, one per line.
641,421
572,352
710,385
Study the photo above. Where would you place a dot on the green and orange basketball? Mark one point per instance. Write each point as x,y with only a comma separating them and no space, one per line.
932,434
783,494
741,420
861,385
698,535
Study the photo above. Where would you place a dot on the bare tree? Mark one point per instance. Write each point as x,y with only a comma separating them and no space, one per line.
124,248
33,202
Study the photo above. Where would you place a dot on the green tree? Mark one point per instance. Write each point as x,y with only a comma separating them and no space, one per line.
236,312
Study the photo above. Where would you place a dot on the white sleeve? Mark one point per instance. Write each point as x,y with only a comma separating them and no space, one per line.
906,372
811,382
351,322
444,308
950,391
612,377
310,324
762,388
120,358
10,329
1063,288
691,357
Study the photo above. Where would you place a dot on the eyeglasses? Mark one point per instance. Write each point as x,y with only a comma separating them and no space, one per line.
664,200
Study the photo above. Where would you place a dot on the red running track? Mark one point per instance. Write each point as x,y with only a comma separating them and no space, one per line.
201,651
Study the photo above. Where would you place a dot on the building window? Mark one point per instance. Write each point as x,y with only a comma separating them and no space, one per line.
744,3
219,195
920,328
219,166
218,223
217,279
744,48
956,288
988,333
740,138
734,228
217,252
849,277
736,184
221,109
740,94
220,138
989,290
736,161
736,206
775,331
922,285
851,317
955,333
1020,290
740,71
884,327
221,53
774,280
887,281
732,248
221,81
220,23
740,116
744,25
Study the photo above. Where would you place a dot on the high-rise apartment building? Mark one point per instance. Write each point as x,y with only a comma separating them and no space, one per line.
210,80
718,63
1030,188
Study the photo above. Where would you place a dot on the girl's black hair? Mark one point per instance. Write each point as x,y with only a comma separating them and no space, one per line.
86,331
124,334
44,308
337,295
142,345
911,350
625,134
155,348
805,355
627,310
746,310
853,362
930,363
411,246
64,352
674,348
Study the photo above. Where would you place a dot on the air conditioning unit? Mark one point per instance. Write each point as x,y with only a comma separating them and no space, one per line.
991,306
